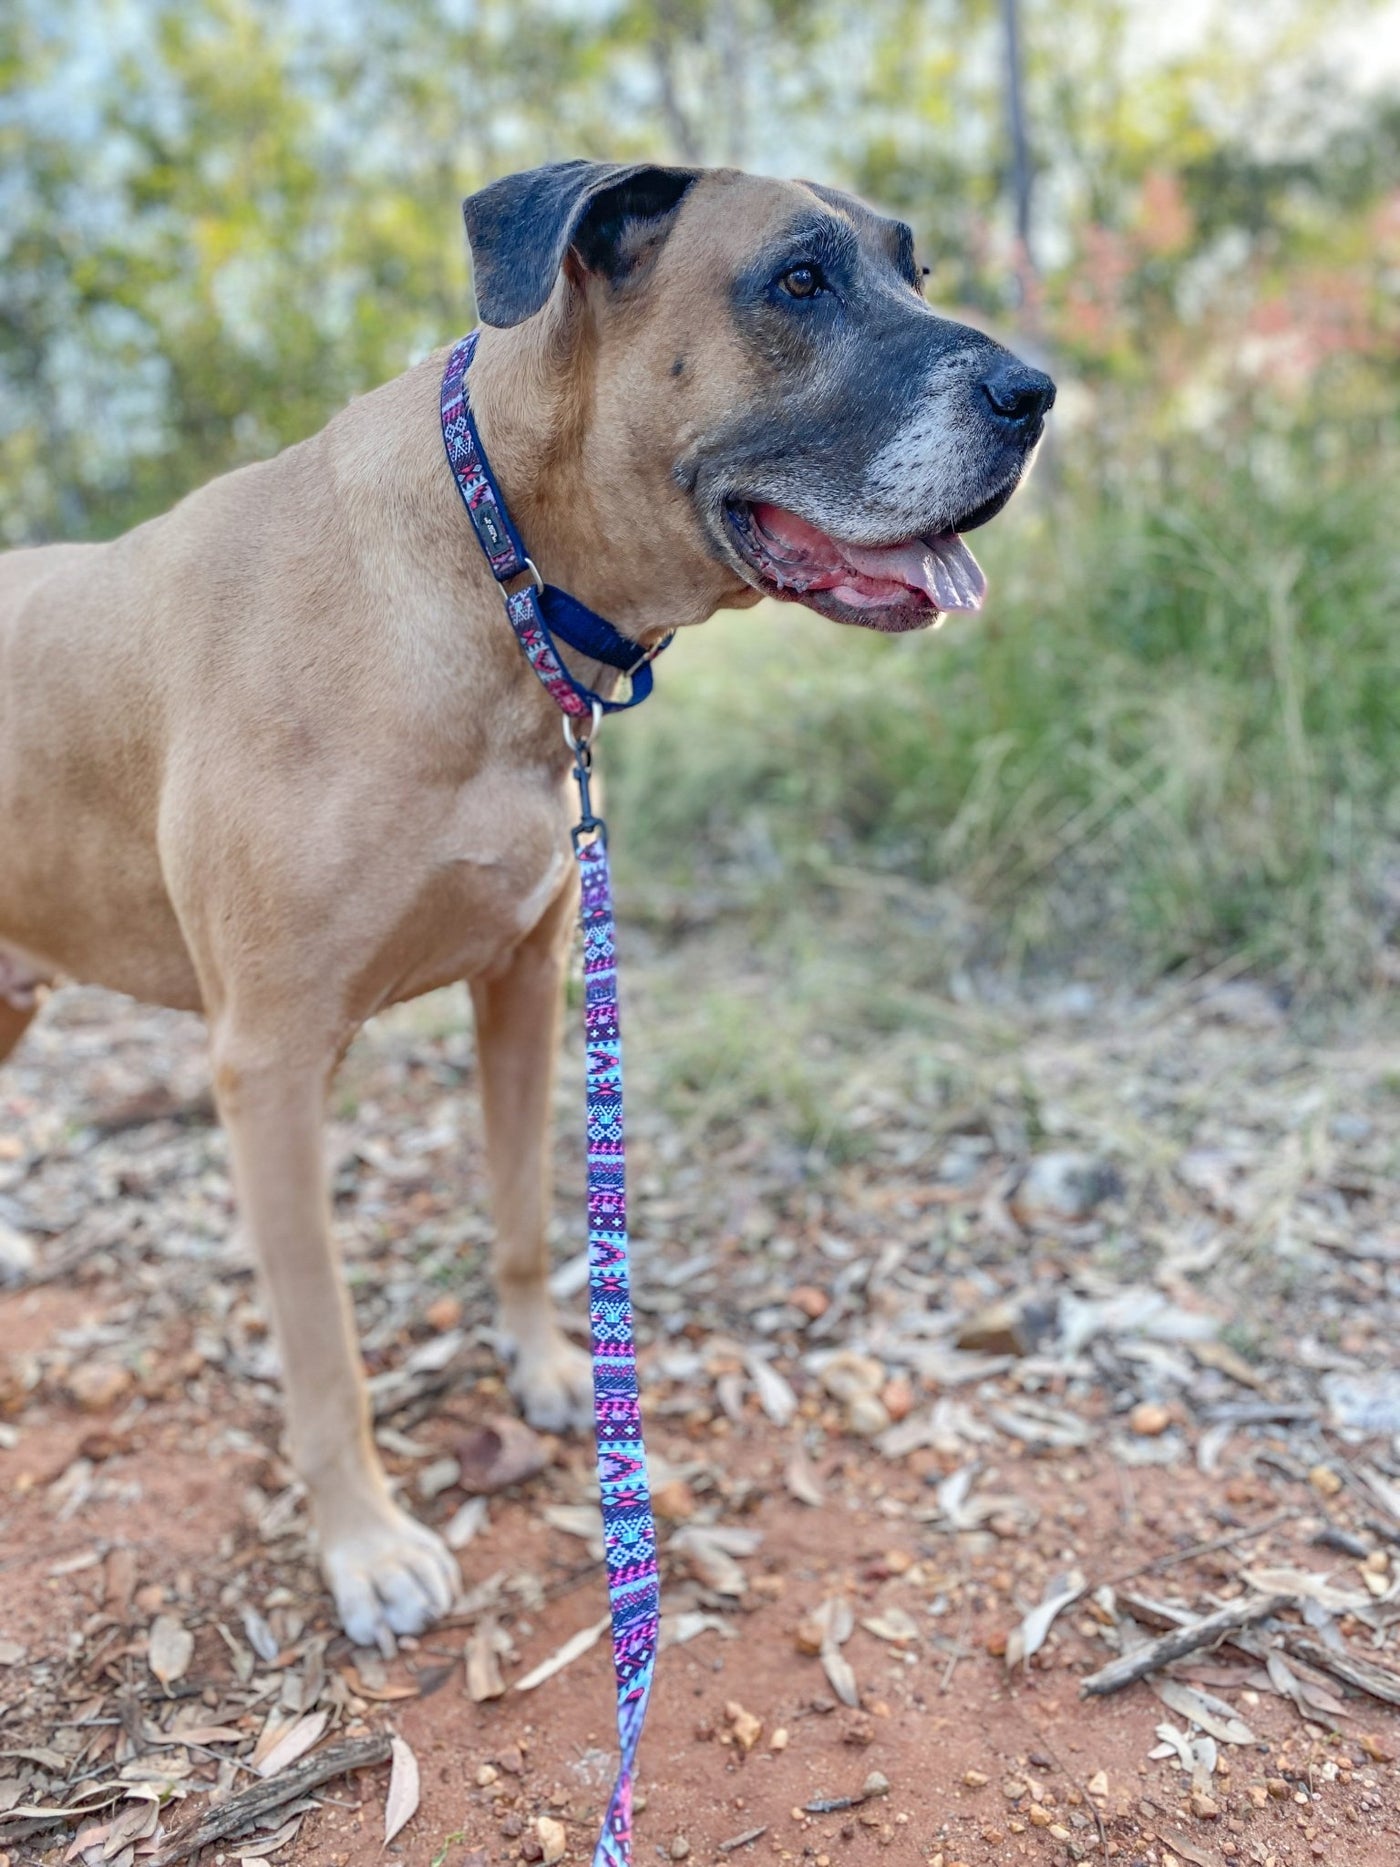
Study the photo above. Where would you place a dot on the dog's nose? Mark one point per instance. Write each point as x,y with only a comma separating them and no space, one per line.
1018,395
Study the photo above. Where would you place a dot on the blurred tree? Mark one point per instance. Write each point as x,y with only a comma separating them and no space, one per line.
219,221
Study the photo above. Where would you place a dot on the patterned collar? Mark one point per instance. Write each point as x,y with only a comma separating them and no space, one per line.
539,612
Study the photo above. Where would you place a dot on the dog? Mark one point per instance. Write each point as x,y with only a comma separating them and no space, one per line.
277,757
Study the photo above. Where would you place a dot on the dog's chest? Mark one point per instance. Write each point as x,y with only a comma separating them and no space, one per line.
484,874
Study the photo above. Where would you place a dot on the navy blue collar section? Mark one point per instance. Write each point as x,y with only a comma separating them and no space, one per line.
538,613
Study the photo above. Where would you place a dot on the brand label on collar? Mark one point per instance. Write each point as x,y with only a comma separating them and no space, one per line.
488,528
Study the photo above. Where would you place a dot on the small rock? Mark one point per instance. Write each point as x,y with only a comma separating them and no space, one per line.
779,1740
811,1301
1064,1186
553,1838
1039,1817
876,1784
975,1779
443,1313
866,1416
809,1635
897,1397
746,1728
1205,1808
1149,1419
486,1774
679,1849
97,1385
150,1597
1011,1326
1278,1789
1324,1481
848,1375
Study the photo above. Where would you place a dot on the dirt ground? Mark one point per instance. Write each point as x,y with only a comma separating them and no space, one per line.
1065,1298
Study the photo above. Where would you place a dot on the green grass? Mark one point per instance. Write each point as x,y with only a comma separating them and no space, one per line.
1170,739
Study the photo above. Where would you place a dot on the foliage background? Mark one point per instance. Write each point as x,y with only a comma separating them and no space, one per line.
1170,739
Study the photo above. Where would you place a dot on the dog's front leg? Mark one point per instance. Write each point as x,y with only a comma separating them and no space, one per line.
517,1031
389,1575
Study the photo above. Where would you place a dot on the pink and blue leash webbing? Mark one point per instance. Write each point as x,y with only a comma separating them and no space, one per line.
538,613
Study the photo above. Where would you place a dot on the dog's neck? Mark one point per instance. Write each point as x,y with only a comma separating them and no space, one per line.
593,519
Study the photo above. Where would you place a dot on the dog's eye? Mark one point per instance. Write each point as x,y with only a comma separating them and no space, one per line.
802,281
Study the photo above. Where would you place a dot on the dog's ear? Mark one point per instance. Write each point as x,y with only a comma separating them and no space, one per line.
522,227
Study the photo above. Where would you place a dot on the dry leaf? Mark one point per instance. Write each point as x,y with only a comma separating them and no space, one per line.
565,1656
293,1743
1311,1698
382,1694
468,1522
268,1844
896,1625
834,1621
710,1562
1027,1639
1307,1586
169,1649
1211,1714
201,1734
775,1394
803,1481
840,1676
403,1788
260,1636
483,1658
678,1629
1188,1849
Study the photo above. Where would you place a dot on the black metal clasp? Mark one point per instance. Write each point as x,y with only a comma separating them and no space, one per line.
580,743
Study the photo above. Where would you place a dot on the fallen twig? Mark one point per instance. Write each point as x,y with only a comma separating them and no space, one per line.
1376,1681
741,1841
259,1799
1180,1641
1176,1556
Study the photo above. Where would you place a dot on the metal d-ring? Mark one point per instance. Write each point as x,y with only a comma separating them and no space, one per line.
580,742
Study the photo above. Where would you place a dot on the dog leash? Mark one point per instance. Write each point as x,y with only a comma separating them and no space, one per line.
538,613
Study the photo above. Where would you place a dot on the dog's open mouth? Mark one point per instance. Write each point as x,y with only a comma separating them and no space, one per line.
890,587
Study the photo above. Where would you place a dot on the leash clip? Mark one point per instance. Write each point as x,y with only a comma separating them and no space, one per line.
581,745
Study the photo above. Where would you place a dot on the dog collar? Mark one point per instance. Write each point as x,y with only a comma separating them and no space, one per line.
539,612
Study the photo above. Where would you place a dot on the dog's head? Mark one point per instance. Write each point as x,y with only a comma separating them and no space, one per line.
766,377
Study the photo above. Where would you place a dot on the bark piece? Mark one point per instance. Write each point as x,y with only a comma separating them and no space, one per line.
1181,1641
259,1799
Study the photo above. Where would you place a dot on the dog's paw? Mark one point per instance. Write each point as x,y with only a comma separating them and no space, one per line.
389,1575
553,1383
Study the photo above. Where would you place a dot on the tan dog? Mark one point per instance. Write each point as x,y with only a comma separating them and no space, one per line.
276,756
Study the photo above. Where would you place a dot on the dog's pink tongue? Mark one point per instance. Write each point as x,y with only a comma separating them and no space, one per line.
943,567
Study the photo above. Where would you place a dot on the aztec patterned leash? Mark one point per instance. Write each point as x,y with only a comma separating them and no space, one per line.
537,614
